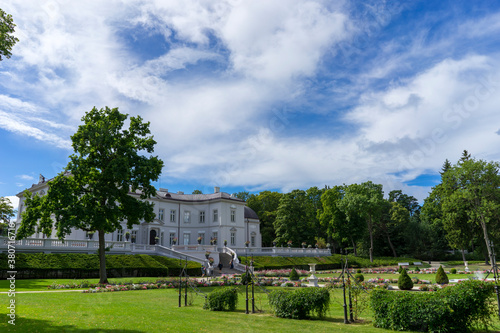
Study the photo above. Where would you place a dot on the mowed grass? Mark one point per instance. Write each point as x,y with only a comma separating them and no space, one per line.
42,284
157,311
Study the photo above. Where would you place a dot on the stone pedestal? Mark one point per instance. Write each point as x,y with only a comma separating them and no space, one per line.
312,268
313,281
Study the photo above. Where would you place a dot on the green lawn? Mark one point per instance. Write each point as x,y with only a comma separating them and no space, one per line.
155,311
158,311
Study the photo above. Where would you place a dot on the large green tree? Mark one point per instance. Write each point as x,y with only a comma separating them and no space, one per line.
7,41
106,181
6,212
266,204
431,216
471,194
293,220
6,209
366,201
334,221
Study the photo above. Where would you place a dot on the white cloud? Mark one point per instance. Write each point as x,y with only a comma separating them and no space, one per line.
26,177
229,65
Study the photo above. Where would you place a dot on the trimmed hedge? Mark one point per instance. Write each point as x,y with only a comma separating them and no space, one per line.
79,265
452,309
300,303
322,263
222,299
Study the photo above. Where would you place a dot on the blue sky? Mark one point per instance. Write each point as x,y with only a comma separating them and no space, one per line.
256,95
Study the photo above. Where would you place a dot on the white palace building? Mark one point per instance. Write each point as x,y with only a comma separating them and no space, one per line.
186,226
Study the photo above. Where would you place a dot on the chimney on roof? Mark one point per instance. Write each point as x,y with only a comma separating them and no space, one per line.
216,189
180,192
163,190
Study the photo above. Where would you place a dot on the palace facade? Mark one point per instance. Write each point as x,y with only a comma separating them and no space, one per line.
181,219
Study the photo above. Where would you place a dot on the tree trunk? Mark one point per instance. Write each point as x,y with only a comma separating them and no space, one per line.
370,229
354,247
392,246
486,240
463,256
103,277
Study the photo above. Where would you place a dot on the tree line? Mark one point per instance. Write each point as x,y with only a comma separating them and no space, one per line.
460,213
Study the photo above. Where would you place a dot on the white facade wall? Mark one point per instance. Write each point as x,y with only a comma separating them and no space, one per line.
230,223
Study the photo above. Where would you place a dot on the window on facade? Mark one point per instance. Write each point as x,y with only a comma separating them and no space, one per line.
233,238
233,215
186,239
171,238
119,235
172,215
160,214
252,240
187,216
133,236
202,217
216,215
202,237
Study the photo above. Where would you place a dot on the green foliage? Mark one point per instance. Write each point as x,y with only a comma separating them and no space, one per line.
453,271
359,271
359,277
265,204
404,281
452,309
322,263
470,193
441,276
293,219
222,299
294,276
93,193
246,278
300,303
79,265
7,41
6,209
364,201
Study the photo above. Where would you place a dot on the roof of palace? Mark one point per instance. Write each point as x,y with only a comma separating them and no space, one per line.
250,213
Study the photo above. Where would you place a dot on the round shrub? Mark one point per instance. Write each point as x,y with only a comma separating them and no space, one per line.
222,299
294,276
246,278
359,271
404,281
359,277
441,276
453,271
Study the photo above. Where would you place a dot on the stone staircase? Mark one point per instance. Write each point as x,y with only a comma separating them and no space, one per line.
225,259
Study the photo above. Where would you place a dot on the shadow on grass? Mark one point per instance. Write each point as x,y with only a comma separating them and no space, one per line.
42,326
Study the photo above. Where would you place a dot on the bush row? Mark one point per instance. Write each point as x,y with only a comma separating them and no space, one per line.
322,263
452,309
299,304
78,265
